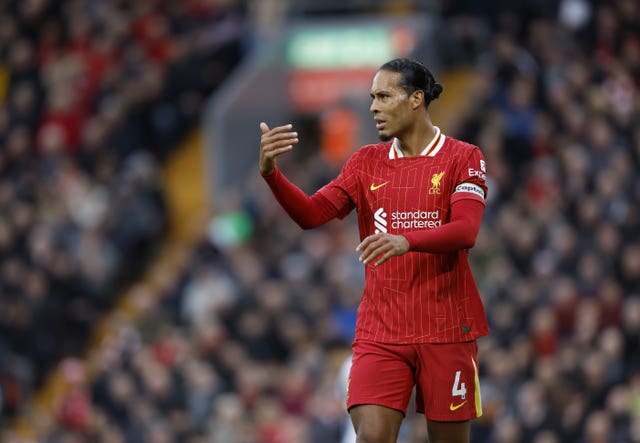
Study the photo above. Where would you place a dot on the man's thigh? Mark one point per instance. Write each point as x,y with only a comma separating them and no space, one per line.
380,375
447,385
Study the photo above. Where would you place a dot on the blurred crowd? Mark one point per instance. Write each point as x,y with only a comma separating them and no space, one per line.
93,96
244,342
558,258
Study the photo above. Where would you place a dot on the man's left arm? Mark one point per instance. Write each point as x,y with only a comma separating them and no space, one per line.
459,233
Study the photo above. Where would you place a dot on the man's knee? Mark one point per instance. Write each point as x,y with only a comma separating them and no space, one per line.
449,432
375,436
376,424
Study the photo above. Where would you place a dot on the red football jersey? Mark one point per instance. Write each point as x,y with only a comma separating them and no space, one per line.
417,297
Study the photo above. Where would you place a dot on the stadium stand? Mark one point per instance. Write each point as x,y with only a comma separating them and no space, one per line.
95,97
244,340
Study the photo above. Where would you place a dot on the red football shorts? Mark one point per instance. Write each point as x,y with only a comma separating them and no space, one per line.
445,376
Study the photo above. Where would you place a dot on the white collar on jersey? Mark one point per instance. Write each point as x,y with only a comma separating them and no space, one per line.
430,150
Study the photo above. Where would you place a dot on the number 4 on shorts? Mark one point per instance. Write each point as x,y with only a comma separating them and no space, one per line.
458,388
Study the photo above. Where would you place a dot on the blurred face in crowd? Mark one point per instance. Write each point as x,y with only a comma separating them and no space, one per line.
392,108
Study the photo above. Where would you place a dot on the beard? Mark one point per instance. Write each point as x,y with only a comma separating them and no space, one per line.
384,138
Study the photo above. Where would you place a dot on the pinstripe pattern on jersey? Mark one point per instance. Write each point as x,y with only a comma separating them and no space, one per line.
417,297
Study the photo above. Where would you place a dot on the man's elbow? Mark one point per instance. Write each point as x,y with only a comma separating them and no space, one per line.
468,242
469,238
466,232
307,224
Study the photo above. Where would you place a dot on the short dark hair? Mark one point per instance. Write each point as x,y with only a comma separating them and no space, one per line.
415,76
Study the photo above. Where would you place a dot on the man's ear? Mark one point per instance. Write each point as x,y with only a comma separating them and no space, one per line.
417,98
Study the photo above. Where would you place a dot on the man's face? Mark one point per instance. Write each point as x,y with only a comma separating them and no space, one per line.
390,105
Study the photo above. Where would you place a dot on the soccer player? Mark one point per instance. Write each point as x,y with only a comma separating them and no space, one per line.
420,197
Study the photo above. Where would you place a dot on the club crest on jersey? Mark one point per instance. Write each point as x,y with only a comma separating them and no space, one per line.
435,181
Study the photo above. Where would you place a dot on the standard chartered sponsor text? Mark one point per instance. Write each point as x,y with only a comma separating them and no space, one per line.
415,219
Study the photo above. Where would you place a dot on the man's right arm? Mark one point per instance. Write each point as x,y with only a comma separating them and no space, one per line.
307,211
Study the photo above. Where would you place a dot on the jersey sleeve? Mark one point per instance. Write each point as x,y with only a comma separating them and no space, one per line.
307,211
342,191
459,233
472,178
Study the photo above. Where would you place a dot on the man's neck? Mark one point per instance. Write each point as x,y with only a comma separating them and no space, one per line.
415,141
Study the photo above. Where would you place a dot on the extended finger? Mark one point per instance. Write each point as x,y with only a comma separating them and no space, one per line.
279,139
367,241
384,258
276,130
276,152
367,247
373,251
276,145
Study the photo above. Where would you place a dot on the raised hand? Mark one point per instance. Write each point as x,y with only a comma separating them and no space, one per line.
273,143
